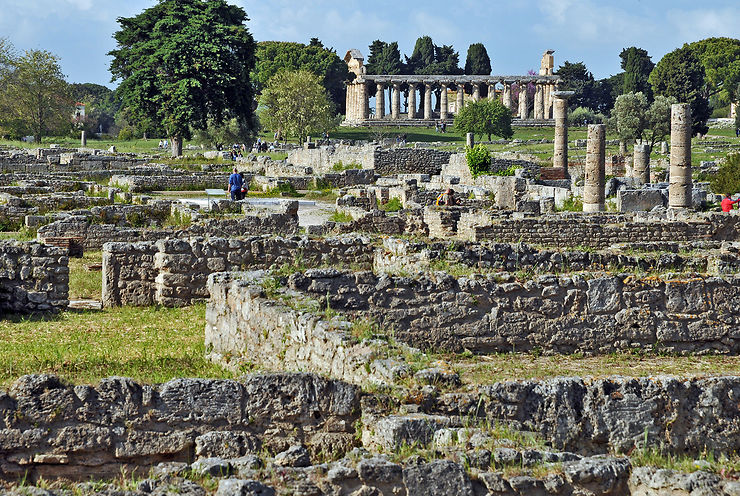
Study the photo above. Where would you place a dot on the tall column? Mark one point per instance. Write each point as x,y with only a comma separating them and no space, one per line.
83,140
396,101
560,114
443,102
460,97
539,102
641,163
523,101
427,101
412,101
491,91
364,103
679,188
593,184
476,92
380,101
507,95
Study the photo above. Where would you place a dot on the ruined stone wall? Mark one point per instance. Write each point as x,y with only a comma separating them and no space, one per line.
562,314
33,278
182,182
178,272
322,159
53,430
410,161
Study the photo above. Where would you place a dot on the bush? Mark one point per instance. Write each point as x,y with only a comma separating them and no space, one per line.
339,166
572,204
393,205
727,179
126,134
479,159
582,116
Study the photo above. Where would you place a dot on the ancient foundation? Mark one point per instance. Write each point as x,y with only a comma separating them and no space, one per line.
679,190
593,187
34,278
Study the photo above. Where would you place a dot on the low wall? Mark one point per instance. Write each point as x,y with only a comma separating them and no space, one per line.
183,182
322,159
560,314
33,278
53,430
174,272
410,161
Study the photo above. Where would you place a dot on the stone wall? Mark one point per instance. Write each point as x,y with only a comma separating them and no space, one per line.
33,278
182,182
561,314
174,272
410,161
322,159
52,430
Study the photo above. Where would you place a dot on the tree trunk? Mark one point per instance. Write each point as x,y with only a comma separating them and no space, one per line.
176,146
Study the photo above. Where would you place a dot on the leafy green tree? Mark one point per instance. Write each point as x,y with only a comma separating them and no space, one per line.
575,77
720,58
384,58
220,135
477,60
422,56
485,117
639,120
637,67
276,56
295,103
727,180
35,94
183,63
680,74
101,106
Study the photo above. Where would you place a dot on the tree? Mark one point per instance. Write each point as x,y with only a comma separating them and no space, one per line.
720,58
680,74
384,58
101,106
477,60
485,117
296,104
422,56
727,180
276,56
575,77
637,66
221,135
35,94
184,63
639,120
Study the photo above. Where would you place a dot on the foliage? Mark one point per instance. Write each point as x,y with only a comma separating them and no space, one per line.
339,166
218,136
184,63
33,93
720,58
101,107
485,117
680,74
637,66
572,204
478,158
477,61
295,103
428,58
582,116
340,217
392,205
727,180
638,120
384,58
278,56
126,133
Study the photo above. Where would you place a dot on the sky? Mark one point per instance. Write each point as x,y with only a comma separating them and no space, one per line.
514,33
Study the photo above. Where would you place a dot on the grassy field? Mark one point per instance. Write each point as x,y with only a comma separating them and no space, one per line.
83,283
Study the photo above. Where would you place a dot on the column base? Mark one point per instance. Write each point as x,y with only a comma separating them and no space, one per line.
594,207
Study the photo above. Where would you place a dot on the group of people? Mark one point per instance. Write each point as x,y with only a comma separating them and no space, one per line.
440,127
401,139
164,144
260,146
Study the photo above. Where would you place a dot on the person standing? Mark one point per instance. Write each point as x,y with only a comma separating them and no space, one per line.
728,202
235,185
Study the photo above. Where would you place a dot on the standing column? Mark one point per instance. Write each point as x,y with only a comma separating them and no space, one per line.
507,96
593,184
679,188
396,101
460,97
364,103
539,102
443,102
83,140
641,163
523,101
560,114
476,92
412,101
380,101
428,101
491,91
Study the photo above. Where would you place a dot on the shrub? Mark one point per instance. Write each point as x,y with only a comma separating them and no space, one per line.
393,205
727,179
478,158
582,116
340,217
339,166
572,204
126,134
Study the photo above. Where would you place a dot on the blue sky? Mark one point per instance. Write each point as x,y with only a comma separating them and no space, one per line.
515,33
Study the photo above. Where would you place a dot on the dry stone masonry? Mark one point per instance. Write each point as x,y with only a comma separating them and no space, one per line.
33,278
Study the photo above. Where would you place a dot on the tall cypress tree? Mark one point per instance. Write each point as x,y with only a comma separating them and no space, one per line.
637,67
477,61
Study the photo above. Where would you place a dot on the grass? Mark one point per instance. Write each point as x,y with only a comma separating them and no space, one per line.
151,345
340,217
85,284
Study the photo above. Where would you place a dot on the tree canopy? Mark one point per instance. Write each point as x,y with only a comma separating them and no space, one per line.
101,106
384,58
276,56
183,63
477,60
638,119
720,58
485,118
637,66
428,58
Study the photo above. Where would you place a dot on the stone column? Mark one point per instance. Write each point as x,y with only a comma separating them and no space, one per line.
364,103
560,114
539,102
380,101
469,140
491,91
396,101
641,163
593,184
679,188
548,89
83,140
460,97
412,101
428,101
476,92
523,101
443,102
507,96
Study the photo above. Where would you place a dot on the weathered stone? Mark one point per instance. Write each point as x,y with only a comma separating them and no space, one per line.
295,456
440,477
236,487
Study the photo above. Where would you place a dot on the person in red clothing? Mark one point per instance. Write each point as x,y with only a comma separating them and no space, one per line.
728,202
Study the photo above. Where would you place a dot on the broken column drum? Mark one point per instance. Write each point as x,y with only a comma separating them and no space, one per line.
679,189
593,186
641,163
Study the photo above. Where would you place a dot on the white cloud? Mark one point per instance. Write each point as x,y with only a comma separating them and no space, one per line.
693,25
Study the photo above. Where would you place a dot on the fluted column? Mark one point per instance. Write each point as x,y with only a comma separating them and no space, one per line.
491,91
380,101
539,102
560,114
443,102
679,188
412,101
427,101
593,183
523,101
641,163
460,97
364,103
507,96
396,101
476,92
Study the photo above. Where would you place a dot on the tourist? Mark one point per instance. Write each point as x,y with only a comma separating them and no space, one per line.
728,202
446,198
235,185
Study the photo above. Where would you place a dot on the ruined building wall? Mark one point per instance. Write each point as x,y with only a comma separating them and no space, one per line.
33,278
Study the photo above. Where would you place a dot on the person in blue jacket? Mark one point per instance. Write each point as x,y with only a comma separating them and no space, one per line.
235,185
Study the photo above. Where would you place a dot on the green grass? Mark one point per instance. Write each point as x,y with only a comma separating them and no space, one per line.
340,217
150,344
85,284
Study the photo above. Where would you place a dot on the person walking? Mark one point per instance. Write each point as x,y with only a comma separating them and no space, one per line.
235,185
